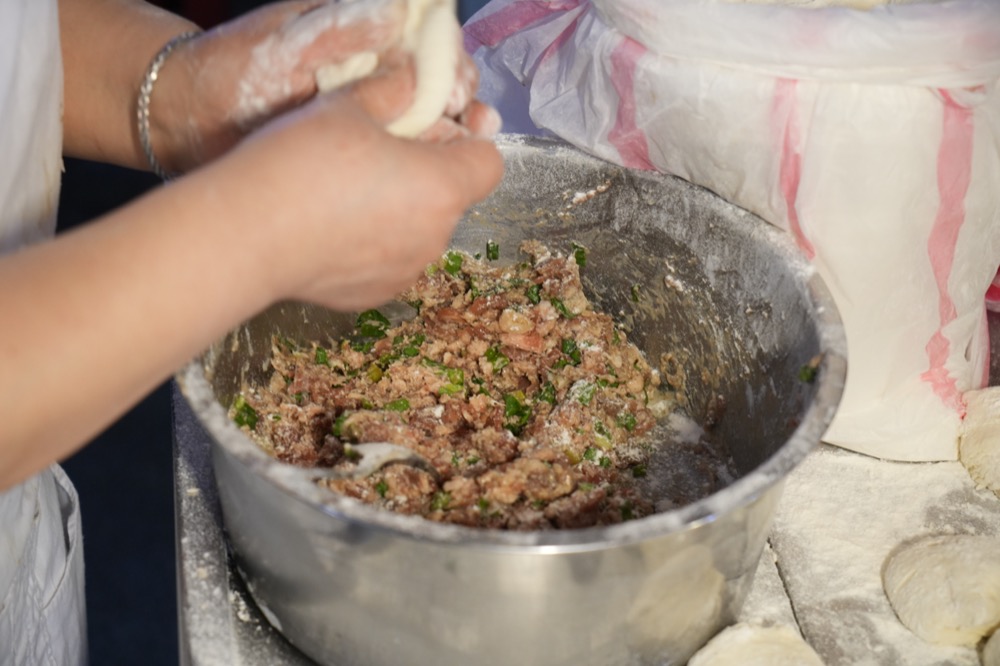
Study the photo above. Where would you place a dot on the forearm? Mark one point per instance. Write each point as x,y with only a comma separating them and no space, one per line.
102,315
107,46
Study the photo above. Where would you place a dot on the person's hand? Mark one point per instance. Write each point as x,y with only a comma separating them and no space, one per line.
218,87
327,207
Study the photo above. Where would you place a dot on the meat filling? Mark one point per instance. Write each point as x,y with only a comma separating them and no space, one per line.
531,406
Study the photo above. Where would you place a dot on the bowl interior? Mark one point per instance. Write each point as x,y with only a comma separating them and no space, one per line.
720,301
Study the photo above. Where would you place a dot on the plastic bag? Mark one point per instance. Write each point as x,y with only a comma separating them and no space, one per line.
871,136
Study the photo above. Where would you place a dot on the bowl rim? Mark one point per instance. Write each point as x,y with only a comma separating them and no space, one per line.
227,439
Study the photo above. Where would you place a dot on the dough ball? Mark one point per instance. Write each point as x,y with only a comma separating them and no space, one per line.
946,589
979,443
991,651
748,645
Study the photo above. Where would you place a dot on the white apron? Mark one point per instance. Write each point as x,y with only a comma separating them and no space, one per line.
42,612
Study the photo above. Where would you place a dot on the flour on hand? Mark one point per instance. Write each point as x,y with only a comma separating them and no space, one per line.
432,34
946,589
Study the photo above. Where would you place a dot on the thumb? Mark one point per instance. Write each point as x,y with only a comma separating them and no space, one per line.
473,164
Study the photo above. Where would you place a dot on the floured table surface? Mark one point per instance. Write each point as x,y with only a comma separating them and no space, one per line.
840,516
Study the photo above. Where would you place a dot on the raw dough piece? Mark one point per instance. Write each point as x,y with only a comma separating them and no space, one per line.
946,589
748,645
991,651
979,440
433,35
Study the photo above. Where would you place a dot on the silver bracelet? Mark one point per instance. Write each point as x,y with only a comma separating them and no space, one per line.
146,90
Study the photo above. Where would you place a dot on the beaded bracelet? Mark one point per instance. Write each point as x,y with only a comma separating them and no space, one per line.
146,90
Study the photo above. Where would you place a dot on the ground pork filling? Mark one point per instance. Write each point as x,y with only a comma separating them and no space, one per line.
531,406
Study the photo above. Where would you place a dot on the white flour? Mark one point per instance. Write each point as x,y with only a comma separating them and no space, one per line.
841,514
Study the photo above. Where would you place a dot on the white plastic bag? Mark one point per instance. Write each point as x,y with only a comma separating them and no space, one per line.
872,136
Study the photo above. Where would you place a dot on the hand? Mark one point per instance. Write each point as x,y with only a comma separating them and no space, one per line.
332,209
217,88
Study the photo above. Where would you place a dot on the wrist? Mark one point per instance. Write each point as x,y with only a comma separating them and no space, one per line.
156,138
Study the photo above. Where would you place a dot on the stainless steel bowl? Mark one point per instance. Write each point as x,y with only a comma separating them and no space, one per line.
741,312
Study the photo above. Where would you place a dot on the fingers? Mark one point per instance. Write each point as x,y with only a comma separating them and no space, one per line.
481,119
473,165
466,84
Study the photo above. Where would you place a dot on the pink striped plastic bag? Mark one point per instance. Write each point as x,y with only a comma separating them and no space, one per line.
872,136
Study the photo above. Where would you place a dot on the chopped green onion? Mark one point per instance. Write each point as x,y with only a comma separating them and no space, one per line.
372,324
534,294
626,421
492,251
585,486
639,471
547,394
374,373
517,412
337,429
561,308
440,501
400,405
571,349
381,488
807,373
322,357
605,462
453,263
385,360
590,453
482,503
580,255
451,389
585,393
244,414
363,346
635,293
497,358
